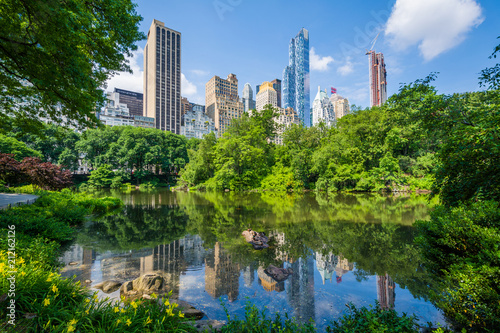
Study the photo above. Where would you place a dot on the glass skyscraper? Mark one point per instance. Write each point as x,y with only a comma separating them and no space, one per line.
296,91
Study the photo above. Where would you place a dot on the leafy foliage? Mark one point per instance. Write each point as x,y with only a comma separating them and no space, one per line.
373,321
56,56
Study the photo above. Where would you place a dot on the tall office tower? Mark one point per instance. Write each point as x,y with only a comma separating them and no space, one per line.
222,102
133,100
378,79
247,98
266,95
296,92
277,86
162,77
323,109
340,104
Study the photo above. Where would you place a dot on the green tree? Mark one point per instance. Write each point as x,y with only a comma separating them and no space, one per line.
55,56
19,149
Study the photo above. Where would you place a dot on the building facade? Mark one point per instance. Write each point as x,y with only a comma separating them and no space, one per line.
162,77
323,109
222,101
118,114
296,90
134,101
185,106
247,98
341,105
287,117
277,86
196,123
266,95
378,79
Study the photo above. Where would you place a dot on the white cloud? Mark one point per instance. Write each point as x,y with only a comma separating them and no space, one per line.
199,72
435,25
187,88
347,68
317,62
129,81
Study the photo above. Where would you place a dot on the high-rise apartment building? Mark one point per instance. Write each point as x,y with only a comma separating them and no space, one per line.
340,105
323,109
195,122
133,100
162,77
296,91
222,101
286,118
185,105
247,98
266,95
378,79
277,86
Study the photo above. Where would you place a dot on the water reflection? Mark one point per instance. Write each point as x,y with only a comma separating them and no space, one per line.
340,249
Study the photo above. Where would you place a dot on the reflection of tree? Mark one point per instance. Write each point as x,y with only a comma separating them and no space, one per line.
135,227
371,230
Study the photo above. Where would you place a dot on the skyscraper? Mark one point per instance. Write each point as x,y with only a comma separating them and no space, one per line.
222,101
162,77
247,98
323,109
133,100
277,86
296,92
266,95
378,79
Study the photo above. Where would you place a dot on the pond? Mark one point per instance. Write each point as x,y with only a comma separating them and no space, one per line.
341,248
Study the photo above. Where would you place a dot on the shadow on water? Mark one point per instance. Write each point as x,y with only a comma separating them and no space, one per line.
340,248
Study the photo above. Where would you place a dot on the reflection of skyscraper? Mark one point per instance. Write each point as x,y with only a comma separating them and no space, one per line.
386,293
326,265
268,282
343,266
300,288
249,275
84,257
221,274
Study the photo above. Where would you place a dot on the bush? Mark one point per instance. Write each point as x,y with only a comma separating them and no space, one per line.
102,176
373,320
461,250
258,321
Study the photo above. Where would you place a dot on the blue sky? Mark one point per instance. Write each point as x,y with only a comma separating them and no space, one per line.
250,39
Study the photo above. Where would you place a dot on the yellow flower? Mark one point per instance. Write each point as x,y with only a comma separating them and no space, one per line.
71,329
23,273
94,296
46,302
181,315
154,296
46,325
122,310
54,288
115,309
167,303
134,305
87,311
2,265
118,321
20,261
87,300
73,321
148,321
128,322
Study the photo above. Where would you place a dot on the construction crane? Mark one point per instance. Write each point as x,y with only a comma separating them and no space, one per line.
373,44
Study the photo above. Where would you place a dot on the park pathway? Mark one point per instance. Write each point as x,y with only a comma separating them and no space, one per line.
16,199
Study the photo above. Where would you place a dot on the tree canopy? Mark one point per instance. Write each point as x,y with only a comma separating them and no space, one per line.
55,56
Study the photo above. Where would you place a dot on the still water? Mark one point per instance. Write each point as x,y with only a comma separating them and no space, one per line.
341,248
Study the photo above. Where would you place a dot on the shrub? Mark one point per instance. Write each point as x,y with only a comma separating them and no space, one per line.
373,320
102,176
258,321
460,246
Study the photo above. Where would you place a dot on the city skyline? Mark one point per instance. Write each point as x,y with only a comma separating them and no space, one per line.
337,47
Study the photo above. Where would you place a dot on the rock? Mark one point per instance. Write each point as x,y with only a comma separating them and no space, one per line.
108,286
88,281
127,287
207,325
73,263
257,239
279,274
148,283
189,311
